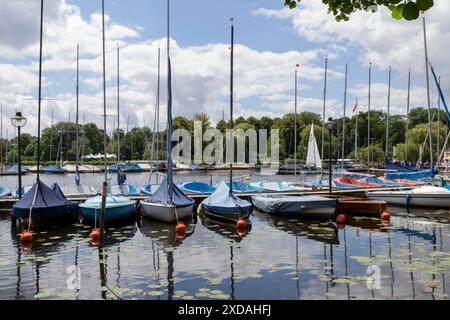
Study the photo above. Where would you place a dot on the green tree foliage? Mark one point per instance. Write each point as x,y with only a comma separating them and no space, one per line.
342,9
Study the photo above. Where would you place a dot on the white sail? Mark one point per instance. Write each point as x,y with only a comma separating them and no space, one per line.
313,155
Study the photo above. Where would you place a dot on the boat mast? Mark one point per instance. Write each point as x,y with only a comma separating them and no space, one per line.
169,112
387,118
407,114
231,101
40,95
295,123
428,91
356,131
439,119
368,117
77,177
343,120
153,154
323,115
1,136
104,94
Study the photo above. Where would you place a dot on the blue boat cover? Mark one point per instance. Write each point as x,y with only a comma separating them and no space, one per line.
53,168
55,187
429,173
222,200
242,187
197,187
292,204
45,202
399,168
161,196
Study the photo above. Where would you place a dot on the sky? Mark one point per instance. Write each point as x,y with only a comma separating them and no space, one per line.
270,41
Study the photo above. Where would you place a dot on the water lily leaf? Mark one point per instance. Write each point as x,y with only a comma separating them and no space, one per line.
46,293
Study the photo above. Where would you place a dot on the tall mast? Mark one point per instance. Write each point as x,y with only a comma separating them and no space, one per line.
343,120
77,178
154,134
388,112
407,114
118,106
439,119
40,95
169,112
323,114
1,135
356,131
231,99
428,91
295,122
104,93
368,117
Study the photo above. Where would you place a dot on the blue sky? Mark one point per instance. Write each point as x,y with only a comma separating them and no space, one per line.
270,39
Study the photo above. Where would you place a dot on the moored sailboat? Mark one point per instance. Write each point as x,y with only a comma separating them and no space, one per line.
168,203
116,208
223,203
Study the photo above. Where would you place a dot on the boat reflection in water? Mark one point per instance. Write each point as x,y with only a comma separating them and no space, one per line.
165,238
326,232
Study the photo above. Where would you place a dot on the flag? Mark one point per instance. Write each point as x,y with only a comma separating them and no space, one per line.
355,107
297,65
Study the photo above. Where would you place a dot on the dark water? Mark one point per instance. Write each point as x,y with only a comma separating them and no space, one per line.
279,258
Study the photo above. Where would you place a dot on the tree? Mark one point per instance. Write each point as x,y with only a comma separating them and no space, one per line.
342,9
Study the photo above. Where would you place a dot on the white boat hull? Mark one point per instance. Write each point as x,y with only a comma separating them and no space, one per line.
165,213
415,200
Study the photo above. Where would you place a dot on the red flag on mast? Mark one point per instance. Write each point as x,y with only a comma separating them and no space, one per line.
355,107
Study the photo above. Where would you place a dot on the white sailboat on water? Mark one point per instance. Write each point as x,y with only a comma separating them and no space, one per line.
313,162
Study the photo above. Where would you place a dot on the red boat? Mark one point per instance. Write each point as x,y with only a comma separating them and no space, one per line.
404,181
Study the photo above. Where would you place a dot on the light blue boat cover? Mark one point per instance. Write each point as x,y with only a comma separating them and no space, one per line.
242,187
197,187
293,204
161,196
429,173
223,200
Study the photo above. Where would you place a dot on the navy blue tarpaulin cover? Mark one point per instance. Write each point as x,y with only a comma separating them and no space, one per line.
73,206
46,203
392,166
429,173
161,196
53,168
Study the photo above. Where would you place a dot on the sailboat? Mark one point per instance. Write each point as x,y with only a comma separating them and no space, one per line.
150,188
168,203
122,188
223,203
313,162
116,208
41,205
78,189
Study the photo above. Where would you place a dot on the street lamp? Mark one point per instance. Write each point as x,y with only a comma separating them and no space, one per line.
19,121
330,183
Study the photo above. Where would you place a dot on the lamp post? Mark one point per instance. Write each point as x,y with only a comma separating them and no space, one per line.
19,121
330,183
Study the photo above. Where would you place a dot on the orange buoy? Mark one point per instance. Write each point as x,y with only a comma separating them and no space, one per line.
95,235
341,226
385,215
181,227
340,218
26,236
242,232
241,223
